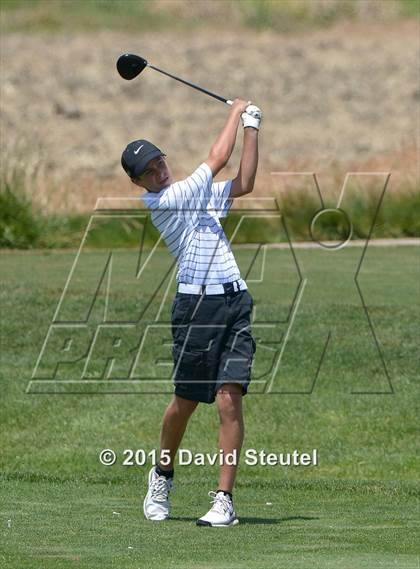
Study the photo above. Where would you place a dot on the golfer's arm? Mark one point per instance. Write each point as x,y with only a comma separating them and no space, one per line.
224,144
244,181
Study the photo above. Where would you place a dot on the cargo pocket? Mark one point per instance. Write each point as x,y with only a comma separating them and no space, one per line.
189,365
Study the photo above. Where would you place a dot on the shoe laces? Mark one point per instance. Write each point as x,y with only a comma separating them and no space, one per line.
160,489
221,503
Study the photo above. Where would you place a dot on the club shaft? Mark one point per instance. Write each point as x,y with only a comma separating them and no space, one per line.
218,97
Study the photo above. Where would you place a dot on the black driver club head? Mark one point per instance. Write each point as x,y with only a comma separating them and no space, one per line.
130,65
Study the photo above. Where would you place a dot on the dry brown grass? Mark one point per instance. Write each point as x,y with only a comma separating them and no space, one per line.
336,100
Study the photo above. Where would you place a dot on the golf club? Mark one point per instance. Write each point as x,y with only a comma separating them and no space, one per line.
130,65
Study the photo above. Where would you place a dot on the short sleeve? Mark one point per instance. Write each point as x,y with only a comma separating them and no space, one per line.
192,192
149,200
220,200
188,198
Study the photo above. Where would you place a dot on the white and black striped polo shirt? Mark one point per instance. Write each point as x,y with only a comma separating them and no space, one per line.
187,215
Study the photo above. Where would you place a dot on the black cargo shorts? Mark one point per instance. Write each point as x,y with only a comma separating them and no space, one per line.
212,343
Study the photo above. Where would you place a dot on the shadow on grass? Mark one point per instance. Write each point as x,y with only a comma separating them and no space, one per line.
253,521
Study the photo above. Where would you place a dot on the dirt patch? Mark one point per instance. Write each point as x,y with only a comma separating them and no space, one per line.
332,100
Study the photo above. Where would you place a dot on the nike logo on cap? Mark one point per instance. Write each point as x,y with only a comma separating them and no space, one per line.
138,149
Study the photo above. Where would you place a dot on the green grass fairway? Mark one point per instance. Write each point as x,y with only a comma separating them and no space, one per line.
309,525
358,509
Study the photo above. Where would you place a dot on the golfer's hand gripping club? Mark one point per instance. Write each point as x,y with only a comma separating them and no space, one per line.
239,105
252,117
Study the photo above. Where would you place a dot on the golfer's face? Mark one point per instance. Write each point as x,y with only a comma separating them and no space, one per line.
156,176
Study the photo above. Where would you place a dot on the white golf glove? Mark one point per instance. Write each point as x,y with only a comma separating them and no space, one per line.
252,117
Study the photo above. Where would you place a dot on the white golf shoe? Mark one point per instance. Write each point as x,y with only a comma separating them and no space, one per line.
221,514
156,506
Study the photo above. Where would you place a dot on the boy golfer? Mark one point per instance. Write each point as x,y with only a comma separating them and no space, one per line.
213,347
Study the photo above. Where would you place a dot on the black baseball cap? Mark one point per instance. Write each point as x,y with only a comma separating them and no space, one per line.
136,156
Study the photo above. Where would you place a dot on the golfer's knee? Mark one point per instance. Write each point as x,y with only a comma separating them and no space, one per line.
182,407
229,402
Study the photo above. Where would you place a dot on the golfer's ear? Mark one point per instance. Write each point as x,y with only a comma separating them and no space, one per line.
136,181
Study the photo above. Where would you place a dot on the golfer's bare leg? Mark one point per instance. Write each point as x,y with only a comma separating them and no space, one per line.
231,433
174,424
